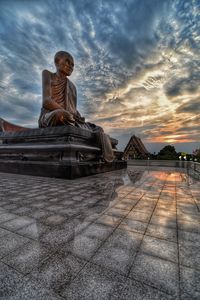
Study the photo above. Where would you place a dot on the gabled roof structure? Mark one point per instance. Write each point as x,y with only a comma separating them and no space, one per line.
7,126
135,149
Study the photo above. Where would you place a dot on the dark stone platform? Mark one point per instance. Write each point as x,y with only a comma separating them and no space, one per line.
63,152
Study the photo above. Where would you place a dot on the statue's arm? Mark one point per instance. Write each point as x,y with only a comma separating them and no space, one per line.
77,115
48,103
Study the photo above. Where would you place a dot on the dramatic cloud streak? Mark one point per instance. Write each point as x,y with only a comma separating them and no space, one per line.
137,63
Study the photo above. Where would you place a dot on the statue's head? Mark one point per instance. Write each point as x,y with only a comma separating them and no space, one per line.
64,62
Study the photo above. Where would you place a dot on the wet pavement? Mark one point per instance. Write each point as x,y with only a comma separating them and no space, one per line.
131,234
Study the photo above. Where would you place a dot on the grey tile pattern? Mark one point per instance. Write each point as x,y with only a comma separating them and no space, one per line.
93,282
30,289
100,237
127,289
189,280
17,223
28,257
9,278
11,242
4,217
58,271
160,248
159,273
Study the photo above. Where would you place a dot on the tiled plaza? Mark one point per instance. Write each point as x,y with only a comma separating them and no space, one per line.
129,234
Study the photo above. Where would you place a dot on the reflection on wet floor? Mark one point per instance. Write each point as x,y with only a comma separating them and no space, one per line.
108,236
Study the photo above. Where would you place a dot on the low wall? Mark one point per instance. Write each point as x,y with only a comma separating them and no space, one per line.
194,169
158,163
191,166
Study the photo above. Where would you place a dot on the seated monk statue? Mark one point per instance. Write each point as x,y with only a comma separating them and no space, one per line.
60,102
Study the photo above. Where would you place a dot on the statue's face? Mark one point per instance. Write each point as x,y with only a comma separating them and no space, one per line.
65,65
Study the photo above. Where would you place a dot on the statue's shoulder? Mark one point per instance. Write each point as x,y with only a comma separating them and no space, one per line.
71,84
47,74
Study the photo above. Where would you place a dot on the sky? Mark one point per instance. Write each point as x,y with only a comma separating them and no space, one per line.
137,66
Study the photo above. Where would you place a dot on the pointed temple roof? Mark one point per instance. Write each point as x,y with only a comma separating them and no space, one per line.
136,148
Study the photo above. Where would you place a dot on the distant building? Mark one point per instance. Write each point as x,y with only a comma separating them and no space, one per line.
135,149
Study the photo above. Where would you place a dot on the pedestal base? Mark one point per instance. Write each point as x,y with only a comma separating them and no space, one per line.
62,152
59,169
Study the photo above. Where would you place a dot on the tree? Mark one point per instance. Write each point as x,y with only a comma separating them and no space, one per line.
168,152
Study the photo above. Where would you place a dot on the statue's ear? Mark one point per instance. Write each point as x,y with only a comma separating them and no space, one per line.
56,61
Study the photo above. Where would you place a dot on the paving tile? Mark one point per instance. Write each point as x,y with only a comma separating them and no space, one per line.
98,231
82,246
4,232
164,221
192,237
130,201
2,210
55,220
40,214
9,278
192,226
34,230
118,251
28,257
133,225
59,235
79,225
162,232
165,213
156,272
11,206
189,283
30,289
189,254
6,217
3,203
116,212
54,208
144,207
125,239
93,282
23,211
17,223
139,216
58,271
39,204
70,211
108,220
127,289
126,206
189,217
11,242
161,248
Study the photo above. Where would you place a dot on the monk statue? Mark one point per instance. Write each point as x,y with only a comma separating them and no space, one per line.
60,102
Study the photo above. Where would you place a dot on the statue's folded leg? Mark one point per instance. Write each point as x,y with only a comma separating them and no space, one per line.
55,118
106,147
103,140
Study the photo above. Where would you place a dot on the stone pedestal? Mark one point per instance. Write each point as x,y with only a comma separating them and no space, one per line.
63,152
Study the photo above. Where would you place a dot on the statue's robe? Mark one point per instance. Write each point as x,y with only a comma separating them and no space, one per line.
63,91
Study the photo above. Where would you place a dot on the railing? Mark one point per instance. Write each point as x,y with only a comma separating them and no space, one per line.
194,169
191,166
158,163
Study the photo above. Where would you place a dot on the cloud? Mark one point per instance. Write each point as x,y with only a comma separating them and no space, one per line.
189,107
136,63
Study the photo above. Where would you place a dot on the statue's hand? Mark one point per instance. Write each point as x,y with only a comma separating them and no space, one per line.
69,116
82,119
79,119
